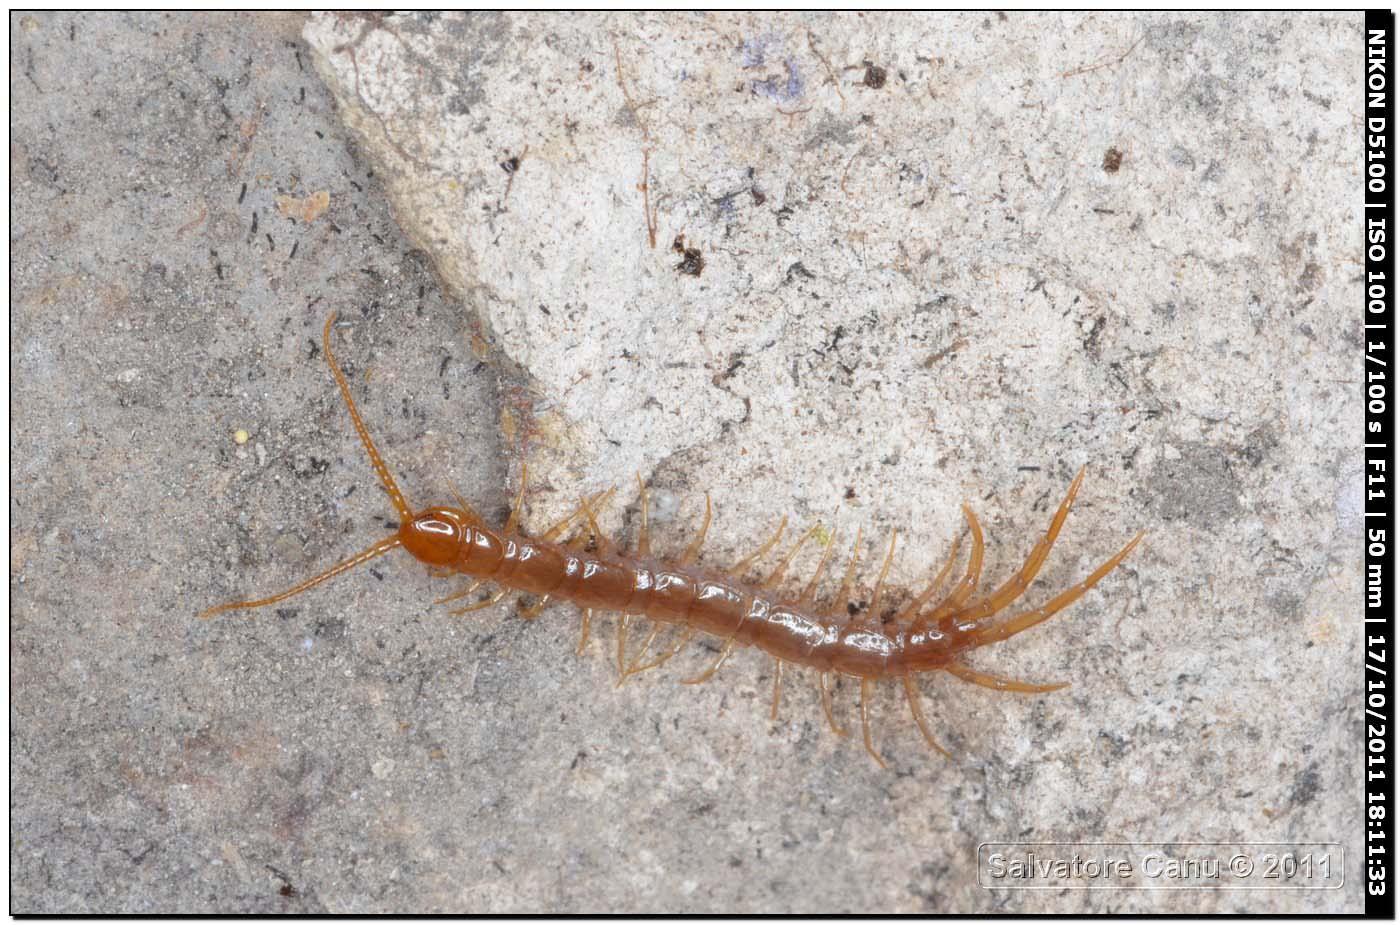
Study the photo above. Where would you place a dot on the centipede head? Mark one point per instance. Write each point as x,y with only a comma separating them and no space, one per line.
435,536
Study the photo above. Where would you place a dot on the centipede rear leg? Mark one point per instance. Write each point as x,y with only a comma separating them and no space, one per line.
999,632
998,683
1017,584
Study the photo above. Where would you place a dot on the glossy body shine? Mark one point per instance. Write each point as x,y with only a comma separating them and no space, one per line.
725,608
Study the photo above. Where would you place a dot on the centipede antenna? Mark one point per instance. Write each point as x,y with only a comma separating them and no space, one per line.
997,683
385,478
759,553
777,685
826,706
710,672
513,518
865,723
1017,584
644,534
359,558
482,605
693,549
911,693
776,575
874,612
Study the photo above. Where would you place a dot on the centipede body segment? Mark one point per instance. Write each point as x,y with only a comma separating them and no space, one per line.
871,646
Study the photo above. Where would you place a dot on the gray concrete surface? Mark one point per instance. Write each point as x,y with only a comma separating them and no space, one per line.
1035,243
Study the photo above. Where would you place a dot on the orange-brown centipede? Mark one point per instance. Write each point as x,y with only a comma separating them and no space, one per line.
792,629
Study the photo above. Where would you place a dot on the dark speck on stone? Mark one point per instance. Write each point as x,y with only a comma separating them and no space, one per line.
692,262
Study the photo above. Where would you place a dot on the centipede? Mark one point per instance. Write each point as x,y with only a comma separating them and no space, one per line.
870,644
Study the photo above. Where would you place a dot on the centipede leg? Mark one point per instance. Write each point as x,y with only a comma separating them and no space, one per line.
811,589
493,599
604,544
826,705
710,672
693,549
1016,585
757,554
583,635
644,534
513,519
646,644
666,656
622,644
996,683
631,668
913,607
455,595
462,503
553,532
911,693
865,723
873,613
1003,631
777,685
843,601
533,611
964,588
776,575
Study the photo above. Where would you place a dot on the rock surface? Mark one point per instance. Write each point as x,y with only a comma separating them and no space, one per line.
904,263
898,264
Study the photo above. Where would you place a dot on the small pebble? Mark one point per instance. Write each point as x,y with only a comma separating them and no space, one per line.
240,437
